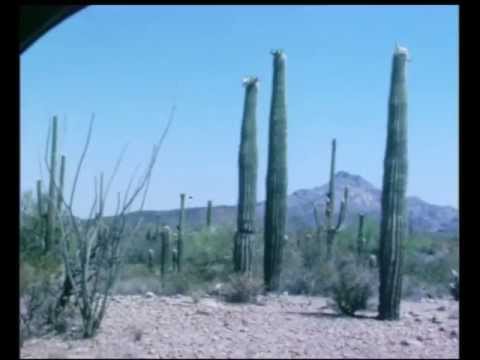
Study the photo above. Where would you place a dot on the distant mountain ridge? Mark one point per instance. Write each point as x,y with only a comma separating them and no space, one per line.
363,198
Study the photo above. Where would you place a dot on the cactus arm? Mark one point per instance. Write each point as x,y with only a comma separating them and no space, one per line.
343,211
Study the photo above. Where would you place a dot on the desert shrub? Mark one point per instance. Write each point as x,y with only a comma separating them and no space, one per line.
241,289
352,288
37,302
177,284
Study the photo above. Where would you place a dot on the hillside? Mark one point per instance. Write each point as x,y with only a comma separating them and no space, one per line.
363,198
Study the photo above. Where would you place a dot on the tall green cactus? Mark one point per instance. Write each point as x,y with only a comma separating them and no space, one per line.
247,169
39,199
164,246
180,233
394,215
52,203
276,202
209,214
331,229
62,179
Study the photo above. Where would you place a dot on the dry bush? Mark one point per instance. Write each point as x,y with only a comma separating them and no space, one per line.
241,289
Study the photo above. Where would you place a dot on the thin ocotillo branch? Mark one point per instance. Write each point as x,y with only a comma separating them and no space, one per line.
82,157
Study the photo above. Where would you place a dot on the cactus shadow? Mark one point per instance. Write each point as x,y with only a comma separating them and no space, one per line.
324,314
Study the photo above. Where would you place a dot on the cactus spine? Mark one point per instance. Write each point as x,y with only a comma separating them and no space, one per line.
276,199
165,244
331,229
180,233
247,167
209,214
393,222
50,231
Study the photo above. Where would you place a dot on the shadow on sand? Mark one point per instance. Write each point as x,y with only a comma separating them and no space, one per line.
326,314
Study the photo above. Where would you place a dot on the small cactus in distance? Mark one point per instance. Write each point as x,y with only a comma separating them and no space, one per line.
150,257
165,245
330,228
209,214
52,200
361,241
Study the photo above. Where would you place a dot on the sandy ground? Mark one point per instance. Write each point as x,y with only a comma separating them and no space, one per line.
282,326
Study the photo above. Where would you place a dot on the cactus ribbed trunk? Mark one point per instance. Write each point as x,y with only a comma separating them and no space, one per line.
276,199
165,245
209,214
50,231
180,233
393,221
247,167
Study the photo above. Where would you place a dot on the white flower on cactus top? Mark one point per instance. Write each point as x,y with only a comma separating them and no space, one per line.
248,80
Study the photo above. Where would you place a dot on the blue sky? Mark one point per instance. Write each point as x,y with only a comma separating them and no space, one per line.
129,64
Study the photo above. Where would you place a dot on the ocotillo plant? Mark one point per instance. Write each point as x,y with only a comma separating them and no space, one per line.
180,233
332,229
393,220
165,245
50,230
276,199
247,170
209,214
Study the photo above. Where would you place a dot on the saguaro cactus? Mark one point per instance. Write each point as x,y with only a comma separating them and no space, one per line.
62,179
180,233
164,246
276,202
209,214
361,237
39,199
247,169
332,229
52,203
394,216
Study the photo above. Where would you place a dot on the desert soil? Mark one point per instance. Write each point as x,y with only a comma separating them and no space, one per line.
278,327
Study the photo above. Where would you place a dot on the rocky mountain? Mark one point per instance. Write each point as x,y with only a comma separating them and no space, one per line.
363,198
